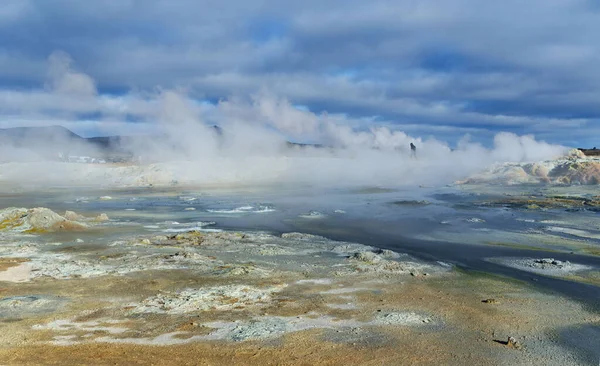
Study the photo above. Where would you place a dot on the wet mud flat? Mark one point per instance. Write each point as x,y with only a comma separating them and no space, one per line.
240,297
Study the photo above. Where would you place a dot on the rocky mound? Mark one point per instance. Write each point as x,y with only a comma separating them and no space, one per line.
40,219
577,172
573,169
227,297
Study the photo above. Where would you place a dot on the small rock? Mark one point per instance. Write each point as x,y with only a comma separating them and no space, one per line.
368,257
512,343
385,253
490,301
545,260
102,217
146,241
70,215
475,220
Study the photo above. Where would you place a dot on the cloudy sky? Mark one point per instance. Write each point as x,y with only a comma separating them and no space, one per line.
429,68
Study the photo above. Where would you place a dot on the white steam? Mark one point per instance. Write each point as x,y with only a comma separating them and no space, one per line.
64,80
250,144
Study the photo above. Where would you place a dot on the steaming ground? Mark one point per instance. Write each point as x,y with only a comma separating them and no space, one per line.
252,251
194,244
236,141
247,142
313,167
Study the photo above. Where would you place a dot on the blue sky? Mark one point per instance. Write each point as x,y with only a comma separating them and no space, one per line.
429,68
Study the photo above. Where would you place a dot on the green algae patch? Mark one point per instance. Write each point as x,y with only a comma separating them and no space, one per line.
590,278
591,251
523,246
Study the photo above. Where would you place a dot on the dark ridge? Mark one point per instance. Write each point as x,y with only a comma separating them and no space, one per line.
59,143
17,134
590,152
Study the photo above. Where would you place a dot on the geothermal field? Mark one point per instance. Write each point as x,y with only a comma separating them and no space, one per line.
302,254
331,182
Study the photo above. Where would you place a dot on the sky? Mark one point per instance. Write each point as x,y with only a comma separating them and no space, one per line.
432,69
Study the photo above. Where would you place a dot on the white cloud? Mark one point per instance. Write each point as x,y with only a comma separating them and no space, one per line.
462,63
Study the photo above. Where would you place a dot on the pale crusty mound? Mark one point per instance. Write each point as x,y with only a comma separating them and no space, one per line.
573,169
40,219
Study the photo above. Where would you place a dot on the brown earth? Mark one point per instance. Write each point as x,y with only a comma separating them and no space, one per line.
468,331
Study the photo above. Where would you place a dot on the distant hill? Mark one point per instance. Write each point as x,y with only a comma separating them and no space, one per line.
51,133
57,142
50,142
